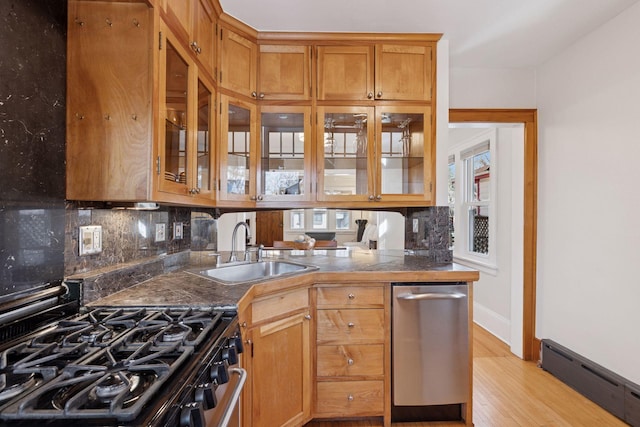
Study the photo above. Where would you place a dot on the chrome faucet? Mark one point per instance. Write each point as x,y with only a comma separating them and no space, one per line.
233,257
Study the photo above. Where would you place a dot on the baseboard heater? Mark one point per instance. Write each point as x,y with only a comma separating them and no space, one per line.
607,389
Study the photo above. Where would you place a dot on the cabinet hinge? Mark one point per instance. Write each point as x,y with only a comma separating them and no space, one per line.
158,165
430,187
220,79
160,40
221,30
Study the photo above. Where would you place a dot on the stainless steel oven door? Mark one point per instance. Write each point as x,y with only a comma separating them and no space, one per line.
227,411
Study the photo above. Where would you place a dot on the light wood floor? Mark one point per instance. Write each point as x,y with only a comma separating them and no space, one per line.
508,392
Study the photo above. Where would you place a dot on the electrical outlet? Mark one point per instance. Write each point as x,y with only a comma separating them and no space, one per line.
178,231
161,232
90,240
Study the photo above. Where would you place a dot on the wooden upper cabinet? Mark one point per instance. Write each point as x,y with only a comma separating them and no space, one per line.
403,72
390,72
109,114
345,72
284,72
238,63
196,21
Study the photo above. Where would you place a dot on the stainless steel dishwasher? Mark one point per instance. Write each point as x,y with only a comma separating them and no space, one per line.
430,344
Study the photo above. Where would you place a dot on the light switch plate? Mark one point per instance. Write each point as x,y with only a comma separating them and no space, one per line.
90,240
161,232
178,231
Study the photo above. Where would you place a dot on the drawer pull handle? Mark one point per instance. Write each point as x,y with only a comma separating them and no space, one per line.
351,324
349,362
350,398
351,296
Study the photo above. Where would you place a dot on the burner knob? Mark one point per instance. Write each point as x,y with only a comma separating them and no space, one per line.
236,342
229,354
219,373
206,395
192,415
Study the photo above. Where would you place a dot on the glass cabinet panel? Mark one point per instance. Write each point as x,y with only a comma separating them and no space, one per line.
404,152
176,95
237,150
285,153
346,151
204,161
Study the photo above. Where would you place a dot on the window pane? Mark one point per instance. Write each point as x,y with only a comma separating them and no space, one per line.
297,220
479,229
319,219
342,220
481,170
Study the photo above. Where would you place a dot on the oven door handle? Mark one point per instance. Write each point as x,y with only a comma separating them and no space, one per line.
235,396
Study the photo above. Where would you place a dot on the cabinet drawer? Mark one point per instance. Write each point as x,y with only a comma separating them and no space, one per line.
350,326
279,305
351,296
350,398
350,360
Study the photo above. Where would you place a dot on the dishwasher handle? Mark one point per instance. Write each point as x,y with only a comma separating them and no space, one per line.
430,296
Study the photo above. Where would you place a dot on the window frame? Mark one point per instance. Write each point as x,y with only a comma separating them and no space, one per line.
464,202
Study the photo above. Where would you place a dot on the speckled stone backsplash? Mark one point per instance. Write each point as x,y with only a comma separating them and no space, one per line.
433,238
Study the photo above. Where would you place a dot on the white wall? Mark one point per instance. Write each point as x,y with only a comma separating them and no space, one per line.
492,88
589,204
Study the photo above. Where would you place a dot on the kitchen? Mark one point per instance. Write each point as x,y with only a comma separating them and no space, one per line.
43,186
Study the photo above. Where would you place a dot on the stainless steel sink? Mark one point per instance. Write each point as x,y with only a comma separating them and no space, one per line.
234,274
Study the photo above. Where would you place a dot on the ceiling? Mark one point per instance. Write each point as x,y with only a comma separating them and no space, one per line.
481,33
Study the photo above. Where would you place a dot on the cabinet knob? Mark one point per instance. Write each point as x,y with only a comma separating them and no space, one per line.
259,198
351,324
350,398
351,296
194,46
254,94
243,324
253,198
371,197
379,94
261,95
370,95
307,316
378,197
349,362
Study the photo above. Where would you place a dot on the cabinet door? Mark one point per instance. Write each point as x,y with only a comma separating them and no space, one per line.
281,372
285,154
404,154
203,35
345,72
284,72
345,154
403,72
238,63
237,150
181,12
177,77
203,158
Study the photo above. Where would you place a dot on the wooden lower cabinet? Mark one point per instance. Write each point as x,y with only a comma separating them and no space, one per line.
278,361
352,352
349,398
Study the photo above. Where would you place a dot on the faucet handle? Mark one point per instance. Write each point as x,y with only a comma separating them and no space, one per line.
218,258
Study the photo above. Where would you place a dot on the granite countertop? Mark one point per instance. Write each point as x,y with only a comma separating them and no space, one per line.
183,287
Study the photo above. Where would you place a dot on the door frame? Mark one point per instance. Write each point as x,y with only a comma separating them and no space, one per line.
529,118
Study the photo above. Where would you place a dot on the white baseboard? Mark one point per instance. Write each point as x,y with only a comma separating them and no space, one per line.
491,321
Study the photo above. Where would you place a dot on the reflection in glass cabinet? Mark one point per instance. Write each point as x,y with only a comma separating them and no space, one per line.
203,178
402,153
176,117
282,148
238,150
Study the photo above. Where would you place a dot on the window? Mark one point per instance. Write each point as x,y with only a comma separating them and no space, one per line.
297,220
452,198
343,220
473,165
320,219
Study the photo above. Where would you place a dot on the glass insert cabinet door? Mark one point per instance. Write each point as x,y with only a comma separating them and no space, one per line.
238,150
204,155
404,153
345,150
285,153
176,116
